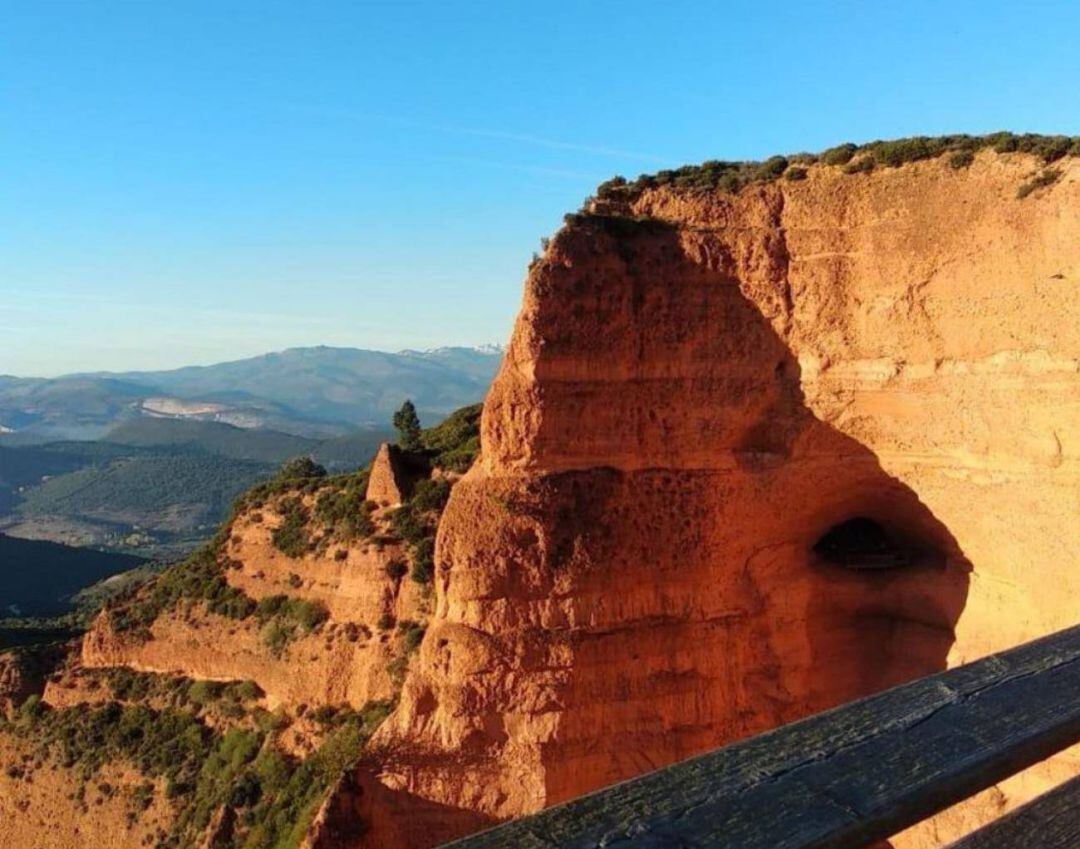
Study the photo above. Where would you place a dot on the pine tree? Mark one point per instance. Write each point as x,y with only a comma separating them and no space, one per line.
408,427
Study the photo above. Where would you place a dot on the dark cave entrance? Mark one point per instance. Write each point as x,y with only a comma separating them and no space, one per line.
863,543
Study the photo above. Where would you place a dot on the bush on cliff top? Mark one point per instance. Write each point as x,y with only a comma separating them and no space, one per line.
198,578
454,443
733,176
284,618
291,536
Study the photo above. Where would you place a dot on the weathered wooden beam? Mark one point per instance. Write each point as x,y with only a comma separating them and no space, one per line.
1052,821
841,779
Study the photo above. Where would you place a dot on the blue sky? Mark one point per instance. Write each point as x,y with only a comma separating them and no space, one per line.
195,181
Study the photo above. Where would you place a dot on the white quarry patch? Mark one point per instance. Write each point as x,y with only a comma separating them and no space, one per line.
181,408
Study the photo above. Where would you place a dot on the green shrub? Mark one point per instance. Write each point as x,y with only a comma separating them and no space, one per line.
307,614
274,795
860,166
1046,178
839,155
291,536
276,636
407,525
412,634
199,578
396,569
243,691
342,509
429,495
1004,142
454,443
300,469
1050,148
204,692
611,188
716,175
283,619
896,153
31,708
961,159
772,168
795,173
127,685
423,561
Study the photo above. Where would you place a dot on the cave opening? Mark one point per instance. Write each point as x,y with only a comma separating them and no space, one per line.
863,543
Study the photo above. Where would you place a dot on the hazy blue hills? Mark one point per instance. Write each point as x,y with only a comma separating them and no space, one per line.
170,493
77,407
260,444
338,453
313,392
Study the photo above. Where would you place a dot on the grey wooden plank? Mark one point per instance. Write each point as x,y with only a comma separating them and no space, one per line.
841,779
1052,821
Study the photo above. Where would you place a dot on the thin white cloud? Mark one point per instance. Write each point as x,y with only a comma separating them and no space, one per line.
525,169
499,135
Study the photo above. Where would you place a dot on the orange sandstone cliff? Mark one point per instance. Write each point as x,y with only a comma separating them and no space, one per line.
750,455
699,387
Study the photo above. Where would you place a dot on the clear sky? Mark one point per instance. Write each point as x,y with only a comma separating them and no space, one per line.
186,182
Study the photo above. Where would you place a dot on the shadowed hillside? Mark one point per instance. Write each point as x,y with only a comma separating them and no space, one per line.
38,578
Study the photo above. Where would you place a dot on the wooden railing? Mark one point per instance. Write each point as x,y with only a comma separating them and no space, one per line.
849,777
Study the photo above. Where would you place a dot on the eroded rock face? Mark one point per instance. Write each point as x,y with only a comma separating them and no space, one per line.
698,388
388,480
45,806
345,662
24,674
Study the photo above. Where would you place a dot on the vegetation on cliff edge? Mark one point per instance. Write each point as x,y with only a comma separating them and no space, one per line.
316,510
733,176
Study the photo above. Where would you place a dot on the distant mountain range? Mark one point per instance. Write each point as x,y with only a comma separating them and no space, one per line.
311,392
149,462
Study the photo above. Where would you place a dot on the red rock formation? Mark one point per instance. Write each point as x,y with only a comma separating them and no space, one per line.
23,674
699,386
388,481
748,456
344,662
360,808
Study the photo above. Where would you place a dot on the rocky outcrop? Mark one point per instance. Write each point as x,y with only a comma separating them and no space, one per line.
387,484
345,661
25,673
362,809
699,387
